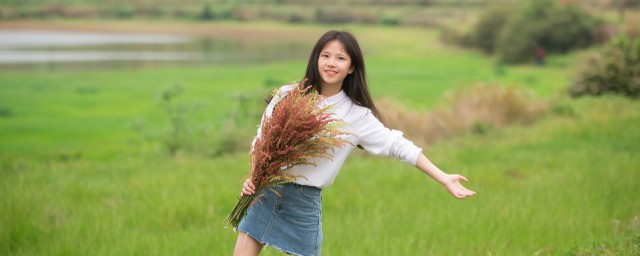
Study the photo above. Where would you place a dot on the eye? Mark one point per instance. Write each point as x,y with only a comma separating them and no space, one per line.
324,55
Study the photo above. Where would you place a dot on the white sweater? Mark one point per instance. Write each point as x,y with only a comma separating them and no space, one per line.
367,131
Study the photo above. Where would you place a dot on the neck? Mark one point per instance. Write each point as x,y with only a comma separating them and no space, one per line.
330,90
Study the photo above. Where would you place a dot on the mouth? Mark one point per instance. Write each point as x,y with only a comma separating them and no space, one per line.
331,72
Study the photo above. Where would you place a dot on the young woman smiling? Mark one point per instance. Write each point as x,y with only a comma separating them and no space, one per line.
291,219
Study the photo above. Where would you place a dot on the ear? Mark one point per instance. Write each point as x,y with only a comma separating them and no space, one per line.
351,70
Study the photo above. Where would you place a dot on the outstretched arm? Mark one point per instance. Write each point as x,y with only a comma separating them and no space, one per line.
450,181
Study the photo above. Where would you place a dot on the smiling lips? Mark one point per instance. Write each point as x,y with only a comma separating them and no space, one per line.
331,72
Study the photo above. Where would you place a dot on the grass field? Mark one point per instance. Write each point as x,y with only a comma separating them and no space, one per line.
77,180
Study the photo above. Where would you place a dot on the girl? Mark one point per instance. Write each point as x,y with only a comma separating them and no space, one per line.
291,220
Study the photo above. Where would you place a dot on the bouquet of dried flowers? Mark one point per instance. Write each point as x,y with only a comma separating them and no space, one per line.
298,131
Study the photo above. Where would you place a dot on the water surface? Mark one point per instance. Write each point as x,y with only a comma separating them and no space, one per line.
51,50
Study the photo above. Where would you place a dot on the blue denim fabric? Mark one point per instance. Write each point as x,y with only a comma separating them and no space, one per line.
291,222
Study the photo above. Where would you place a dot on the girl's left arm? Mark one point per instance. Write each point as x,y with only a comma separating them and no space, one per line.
450,181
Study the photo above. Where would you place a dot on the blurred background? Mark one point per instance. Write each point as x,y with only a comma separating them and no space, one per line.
125,125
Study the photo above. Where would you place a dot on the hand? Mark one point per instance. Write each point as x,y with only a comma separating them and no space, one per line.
248,188
452,183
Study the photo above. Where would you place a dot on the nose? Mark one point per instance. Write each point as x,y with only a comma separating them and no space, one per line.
331,62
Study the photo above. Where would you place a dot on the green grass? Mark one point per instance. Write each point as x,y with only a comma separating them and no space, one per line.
75,180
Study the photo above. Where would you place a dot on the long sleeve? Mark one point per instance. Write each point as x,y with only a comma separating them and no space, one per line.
377,139
365,130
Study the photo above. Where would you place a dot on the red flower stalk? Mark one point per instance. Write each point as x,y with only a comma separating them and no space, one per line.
298,131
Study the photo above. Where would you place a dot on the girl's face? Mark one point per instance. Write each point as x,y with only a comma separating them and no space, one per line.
334,64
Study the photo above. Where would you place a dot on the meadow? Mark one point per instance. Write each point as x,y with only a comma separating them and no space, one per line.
84,170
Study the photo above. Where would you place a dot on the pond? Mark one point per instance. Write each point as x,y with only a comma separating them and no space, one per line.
53,50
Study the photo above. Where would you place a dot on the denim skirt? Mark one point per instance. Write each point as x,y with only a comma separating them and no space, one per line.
290,220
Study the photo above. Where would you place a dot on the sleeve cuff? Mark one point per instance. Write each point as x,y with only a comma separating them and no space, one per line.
415,155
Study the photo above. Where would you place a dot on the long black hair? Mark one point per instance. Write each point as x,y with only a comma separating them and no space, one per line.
355,84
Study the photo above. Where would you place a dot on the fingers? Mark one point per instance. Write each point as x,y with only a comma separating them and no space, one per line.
463,178
461,192
248,188
462,195
253,187
467,193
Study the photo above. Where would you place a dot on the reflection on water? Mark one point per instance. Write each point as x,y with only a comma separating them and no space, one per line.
35,38
52,50
11,57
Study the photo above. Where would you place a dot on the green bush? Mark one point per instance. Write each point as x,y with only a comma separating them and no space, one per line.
389,21
207,12
296,18
568,28
124,12
486,31
614,70
516,43
543,23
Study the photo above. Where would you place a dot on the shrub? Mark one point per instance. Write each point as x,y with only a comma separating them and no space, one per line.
486,31
389,20
207,12
297,18
515,44
545,24
614,70
567,28
124,12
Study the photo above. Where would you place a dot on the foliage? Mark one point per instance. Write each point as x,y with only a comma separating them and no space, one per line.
568,28
616,69
488,27
207,12
407,13
298,131
543,23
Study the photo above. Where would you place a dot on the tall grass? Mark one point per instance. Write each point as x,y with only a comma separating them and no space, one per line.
572,179
476,109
